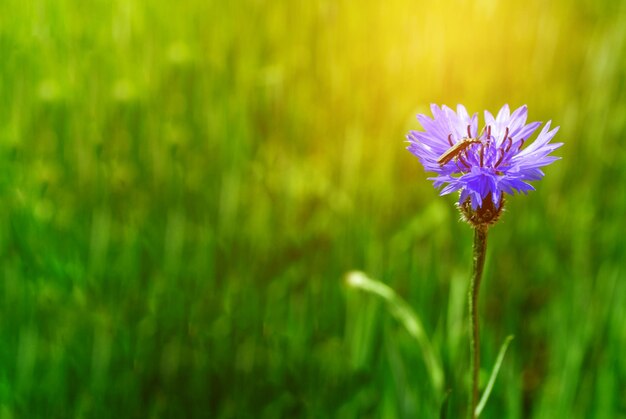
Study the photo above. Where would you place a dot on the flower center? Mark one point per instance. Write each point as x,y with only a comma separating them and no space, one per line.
482,151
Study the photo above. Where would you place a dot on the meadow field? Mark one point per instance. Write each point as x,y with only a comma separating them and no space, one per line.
185,185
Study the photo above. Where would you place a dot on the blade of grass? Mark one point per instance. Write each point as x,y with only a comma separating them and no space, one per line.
494,374
443,413
407,317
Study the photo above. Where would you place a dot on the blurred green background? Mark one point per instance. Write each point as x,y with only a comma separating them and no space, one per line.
184,185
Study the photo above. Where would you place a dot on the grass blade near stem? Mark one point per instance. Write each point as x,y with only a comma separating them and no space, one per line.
494,374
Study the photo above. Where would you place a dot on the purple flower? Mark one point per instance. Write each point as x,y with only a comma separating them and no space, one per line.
483,164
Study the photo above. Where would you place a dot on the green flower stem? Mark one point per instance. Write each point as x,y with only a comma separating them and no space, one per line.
480,249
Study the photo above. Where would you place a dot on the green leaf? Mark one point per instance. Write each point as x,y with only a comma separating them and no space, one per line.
494,374
443,413
407,317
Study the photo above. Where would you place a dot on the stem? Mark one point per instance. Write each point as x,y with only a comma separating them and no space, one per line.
480,249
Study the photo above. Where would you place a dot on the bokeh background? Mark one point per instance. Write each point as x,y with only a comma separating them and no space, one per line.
183,187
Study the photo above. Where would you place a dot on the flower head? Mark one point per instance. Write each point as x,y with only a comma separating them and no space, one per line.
482,164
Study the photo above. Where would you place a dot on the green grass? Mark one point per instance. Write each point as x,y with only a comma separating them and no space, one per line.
184,188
